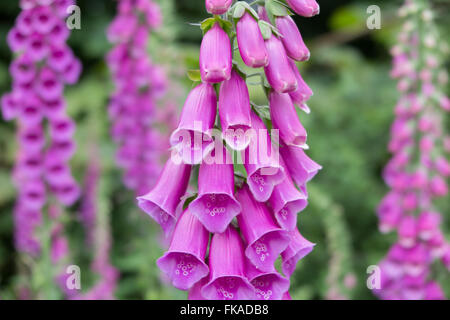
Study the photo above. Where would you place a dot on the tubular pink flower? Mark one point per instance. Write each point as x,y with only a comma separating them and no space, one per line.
16,40
407,231
60,57
415,260
427,224
438,186
32,138
161,202
184,261
279,73
38,39
268,285
301,168
62,128
66,190
30,164
64,148
23,69
215,55
305,8
215,205
195,293
48,86
286,202
192,139
30,112
218,6
286,296
297,249
292,39
433,291
10,106
33,195
43,20
284,118
303,92
389,213
234,111
265,239
261,163
251,42
227,279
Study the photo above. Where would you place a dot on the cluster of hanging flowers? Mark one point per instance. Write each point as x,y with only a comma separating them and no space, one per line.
42,66
252,226
98,236
138,84
418,169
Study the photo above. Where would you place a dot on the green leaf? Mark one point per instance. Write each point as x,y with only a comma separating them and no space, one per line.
226,25
239,10
263,111
266,29
276,8
194,75
207,24
188,201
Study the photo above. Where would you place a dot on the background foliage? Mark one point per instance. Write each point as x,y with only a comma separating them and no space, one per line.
348,134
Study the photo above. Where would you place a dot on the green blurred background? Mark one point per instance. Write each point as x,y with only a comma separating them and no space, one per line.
348,131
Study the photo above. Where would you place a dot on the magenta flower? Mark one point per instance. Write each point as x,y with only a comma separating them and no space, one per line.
38,39
60,57
279,73
192,139
303,92
251,42
66,190
265,232
62,128
162,201
139,84
16,40
30,164
215,55
261,162
23,69
297,249
10,106
305,8
218,6
184,261
292,39
416,181
43,20
265,239
415,260
438,186
234,111
433,291
215,205
48,86
195,293
64,149
301,168
268,285
227,279
286,202
407,231
427,224
284,118
33,195
286,296
32,138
